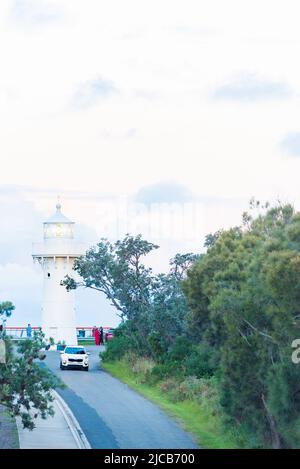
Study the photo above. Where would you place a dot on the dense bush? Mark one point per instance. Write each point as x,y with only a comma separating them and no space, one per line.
180,349
244,297
202,361
163,371
116,348
157,346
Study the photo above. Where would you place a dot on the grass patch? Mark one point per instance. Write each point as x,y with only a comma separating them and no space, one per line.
199,419
86,342
9,438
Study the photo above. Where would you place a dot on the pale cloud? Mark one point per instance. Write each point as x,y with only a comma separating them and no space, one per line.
193,29
291,144
89,94
251,88
36,13
22,284
148,95
164,192
121,135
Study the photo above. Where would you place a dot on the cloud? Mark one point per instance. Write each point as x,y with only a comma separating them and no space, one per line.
249,87
147,94
19,222
119,136
22,284
32,13
89,93
192,30
291,144
164,192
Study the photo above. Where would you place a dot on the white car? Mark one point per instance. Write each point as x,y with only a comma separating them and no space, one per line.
74,356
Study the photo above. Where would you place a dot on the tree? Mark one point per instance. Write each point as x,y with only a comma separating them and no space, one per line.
245,301
181,263
152,306
25,387
6,308
117,271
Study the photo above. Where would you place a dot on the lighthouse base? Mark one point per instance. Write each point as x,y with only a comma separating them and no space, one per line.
64,334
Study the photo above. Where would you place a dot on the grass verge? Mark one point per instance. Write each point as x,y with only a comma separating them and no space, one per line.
200,420
86,342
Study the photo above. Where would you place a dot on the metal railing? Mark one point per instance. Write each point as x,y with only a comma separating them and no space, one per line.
83,332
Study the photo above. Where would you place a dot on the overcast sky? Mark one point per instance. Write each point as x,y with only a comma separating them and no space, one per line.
161,117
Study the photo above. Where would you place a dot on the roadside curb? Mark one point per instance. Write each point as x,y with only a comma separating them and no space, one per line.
73,424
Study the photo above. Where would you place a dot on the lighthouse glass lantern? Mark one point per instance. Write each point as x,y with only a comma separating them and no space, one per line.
56,255
58,226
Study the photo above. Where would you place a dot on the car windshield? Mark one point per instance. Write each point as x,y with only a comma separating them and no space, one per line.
75,350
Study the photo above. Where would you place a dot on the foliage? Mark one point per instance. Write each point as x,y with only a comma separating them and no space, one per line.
6,308
115,349
152,307
25,387
180,349
244,300
201,362
117,271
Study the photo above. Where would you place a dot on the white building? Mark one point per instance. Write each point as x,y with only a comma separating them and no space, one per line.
56,255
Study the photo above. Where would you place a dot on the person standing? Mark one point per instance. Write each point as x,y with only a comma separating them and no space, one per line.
101,336
97,337
29,331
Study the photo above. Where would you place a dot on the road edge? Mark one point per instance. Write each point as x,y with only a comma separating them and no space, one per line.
73,424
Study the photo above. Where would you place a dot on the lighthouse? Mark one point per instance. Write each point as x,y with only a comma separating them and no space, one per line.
56,255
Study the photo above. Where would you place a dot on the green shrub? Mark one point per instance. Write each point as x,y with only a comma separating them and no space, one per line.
157,345
201,390
180,349
201,362
162,371
170,387
142,366
115,349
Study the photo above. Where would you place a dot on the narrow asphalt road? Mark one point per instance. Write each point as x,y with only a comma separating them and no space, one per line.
111,414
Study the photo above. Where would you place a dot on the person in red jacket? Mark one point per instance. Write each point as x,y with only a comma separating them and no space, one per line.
97,337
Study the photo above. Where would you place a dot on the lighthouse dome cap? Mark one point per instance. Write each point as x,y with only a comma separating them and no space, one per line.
58,217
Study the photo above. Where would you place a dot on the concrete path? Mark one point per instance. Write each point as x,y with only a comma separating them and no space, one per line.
57,432
111,414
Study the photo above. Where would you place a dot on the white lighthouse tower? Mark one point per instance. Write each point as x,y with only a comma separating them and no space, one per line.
56,256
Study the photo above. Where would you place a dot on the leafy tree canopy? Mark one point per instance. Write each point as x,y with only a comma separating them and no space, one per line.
25,387
244,298
153,305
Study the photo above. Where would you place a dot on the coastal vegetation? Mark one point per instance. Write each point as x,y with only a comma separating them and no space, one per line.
213,335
